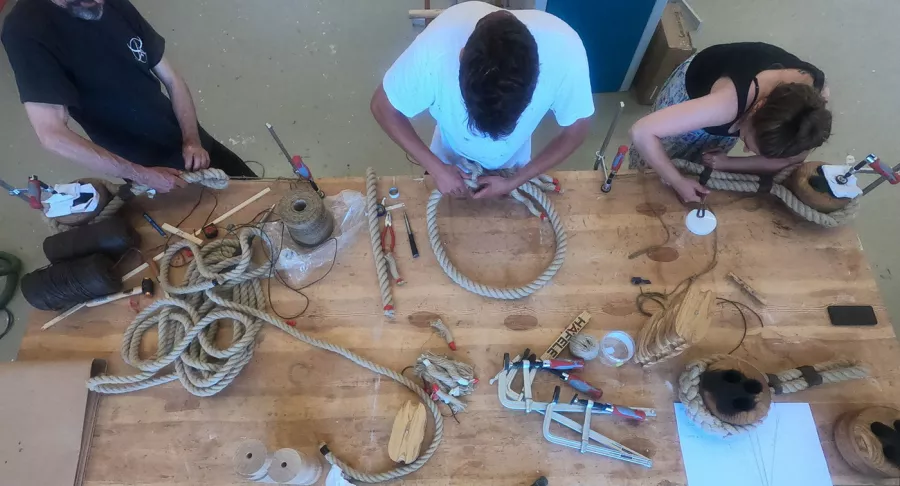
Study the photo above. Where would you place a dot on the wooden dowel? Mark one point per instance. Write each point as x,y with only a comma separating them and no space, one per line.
427,14
746,288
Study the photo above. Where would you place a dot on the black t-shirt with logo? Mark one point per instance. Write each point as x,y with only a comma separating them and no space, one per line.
102,71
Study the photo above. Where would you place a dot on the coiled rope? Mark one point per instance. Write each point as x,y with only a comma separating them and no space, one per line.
529,193
222,283
789,381
211,178
727,181
381,264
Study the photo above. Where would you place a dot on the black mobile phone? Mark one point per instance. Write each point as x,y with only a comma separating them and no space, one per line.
852,315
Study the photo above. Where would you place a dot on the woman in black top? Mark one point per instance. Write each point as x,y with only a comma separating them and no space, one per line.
754,91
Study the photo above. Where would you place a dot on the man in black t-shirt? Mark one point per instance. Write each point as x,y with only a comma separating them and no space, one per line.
101,63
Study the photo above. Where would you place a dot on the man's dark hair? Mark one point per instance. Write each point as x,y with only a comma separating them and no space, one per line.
498,72
792,120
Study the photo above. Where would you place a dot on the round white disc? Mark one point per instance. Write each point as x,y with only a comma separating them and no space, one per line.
701,226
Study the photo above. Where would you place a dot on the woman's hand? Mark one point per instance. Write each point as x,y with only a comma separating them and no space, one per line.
690,190
717,159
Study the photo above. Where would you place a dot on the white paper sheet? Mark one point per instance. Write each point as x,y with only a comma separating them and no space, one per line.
783,451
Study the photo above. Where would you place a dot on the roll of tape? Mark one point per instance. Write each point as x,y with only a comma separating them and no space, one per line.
291,467
251,460
617,348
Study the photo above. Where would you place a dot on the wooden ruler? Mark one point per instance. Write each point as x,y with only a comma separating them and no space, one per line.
572,329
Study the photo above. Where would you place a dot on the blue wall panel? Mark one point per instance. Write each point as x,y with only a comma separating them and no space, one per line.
611,31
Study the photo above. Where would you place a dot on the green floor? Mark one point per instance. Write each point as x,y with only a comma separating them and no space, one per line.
305,67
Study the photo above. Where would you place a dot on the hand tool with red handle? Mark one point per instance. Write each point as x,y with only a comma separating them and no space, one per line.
579,384
616,165
551,364
620,411
299,168
34,192
882,169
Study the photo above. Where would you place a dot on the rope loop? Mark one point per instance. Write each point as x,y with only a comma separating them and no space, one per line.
529,194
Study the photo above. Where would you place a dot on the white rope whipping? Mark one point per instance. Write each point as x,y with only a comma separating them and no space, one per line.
529,193
381,263
223,284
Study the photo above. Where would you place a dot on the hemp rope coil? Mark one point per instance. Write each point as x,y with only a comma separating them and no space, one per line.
789,381
223,283
728,181
529,193
306,218
381,264
211,178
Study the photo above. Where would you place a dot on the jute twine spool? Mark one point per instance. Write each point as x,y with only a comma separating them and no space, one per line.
584,346
859,445
820,201
305,217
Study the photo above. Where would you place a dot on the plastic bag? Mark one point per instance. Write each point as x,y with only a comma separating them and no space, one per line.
299,265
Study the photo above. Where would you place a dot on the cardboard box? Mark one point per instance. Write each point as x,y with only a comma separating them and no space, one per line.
670,46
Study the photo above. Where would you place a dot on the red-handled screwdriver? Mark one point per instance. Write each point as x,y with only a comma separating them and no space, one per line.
616,165
297,164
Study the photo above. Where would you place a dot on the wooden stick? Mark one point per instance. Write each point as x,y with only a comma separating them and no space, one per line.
56,320
218,220
237,208
747,288
175,231
428,14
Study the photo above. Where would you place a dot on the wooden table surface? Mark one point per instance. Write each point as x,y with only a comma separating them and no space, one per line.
292,395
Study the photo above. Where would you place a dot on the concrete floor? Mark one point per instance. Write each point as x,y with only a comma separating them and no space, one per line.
307,67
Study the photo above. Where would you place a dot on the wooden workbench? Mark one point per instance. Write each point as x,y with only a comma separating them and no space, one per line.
292,395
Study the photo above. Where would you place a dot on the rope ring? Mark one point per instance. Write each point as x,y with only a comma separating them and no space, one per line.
465,282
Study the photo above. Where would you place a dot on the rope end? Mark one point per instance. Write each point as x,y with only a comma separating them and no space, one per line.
452,345
543,216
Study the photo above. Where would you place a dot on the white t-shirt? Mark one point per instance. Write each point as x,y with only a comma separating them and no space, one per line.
426,76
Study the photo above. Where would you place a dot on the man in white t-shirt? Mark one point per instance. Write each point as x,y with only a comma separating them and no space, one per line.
488,76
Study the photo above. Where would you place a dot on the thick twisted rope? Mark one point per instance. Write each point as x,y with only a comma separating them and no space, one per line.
381,263
689,394
222,282
211,178
727,181
529,193
793,380
788,381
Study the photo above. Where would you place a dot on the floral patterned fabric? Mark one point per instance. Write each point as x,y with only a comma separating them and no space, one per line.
689,146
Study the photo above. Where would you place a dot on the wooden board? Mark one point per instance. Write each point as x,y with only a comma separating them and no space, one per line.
291,395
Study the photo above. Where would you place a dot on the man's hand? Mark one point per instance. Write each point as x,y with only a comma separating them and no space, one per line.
717,159
690,190
450,181
163,179
195,156
493,186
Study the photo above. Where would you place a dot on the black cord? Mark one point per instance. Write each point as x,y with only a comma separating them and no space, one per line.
740,306
262,167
